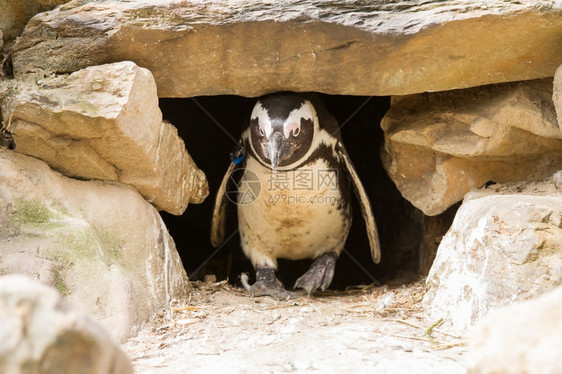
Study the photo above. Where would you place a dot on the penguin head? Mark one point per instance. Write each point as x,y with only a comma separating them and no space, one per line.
282,128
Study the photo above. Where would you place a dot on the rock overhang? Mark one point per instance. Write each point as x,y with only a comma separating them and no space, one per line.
252,48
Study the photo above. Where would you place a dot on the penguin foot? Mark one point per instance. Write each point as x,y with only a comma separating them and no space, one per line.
266,285
319,275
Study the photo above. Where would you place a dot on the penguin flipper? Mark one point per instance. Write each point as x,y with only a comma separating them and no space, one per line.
364,202
219,212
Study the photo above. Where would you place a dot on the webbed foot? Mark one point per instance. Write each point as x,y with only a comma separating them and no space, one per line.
320,274
266,285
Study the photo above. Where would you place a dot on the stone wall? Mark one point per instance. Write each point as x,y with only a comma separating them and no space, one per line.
476,100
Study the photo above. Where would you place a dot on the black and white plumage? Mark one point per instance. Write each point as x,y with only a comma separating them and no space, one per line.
303,210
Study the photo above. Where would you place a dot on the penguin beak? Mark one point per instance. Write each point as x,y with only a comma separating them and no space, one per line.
276,149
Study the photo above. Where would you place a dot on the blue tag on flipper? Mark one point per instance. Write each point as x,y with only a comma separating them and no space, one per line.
238,159
237,155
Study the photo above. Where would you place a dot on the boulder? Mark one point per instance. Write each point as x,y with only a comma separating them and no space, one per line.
40,333
557,94
502,247
103,122
438,146
522,338
16,13
99,243
251,48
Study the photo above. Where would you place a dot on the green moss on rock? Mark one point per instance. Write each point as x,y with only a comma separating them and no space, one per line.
60,285
74,240
34,218
29,212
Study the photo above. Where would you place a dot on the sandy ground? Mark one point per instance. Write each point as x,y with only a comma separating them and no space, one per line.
219,328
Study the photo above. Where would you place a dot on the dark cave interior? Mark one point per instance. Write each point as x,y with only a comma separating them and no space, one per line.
210,127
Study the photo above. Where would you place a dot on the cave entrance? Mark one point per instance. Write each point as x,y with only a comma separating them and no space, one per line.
211,125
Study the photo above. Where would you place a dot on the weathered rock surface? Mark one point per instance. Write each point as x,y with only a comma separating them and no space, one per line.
100,244
251,48
39,333
103,122
434,228
522,338
557,179
14,15
503,247
557,94
438,146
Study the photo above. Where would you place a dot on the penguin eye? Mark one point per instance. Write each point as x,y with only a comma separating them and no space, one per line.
291,128
260,131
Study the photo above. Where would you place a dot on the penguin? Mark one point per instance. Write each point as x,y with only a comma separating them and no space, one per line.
293,198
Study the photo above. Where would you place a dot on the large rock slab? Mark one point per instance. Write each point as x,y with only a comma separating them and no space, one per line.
40,333
502,247
522,338
439,146
251,48
103,122
100,244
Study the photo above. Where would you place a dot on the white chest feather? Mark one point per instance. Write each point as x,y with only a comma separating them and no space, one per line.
296,214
